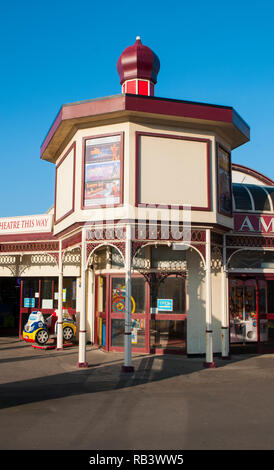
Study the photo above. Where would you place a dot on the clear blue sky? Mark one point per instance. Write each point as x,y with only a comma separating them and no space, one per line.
55,52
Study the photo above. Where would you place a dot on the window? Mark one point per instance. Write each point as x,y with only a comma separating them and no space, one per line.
260,198
252,259
172,289
241,197
119,295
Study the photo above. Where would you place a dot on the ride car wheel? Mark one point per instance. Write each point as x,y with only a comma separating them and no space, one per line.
42,337
67,333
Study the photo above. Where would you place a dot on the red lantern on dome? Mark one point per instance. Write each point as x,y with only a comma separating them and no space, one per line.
138,67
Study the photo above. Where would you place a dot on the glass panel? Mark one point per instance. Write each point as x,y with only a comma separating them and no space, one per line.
262,297
137,336
250,300
170,334
267,333
100,258
260,198
271,193
241,197
270,296
168,296
243,321
118,295
69,292
252,259
30,293
46,293
101,331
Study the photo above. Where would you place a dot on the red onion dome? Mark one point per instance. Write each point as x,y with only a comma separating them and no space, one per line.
138,61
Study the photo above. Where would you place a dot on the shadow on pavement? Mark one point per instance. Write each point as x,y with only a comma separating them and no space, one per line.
99,377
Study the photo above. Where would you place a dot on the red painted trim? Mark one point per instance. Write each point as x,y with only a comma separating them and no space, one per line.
70,211
147,104
138,203
121,134
47,236
209,365
147,316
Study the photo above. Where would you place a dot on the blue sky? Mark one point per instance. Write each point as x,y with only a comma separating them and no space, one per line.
55,52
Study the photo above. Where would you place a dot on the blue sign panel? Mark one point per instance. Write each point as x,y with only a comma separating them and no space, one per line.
165,305
29,303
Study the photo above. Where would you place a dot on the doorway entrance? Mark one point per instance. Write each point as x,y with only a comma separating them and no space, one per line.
9,306
158,313
251,302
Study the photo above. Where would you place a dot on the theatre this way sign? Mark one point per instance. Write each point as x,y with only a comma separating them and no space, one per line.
26,224
254,223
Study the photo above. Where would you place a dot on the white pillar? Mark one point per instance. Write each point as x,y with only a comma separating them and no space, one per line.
60,300
225,312
127,367
209,333
82,328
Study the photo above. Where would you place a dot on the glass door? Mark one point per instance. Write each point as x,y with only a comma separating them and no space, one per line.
168,314
266,315
243,311
101,320
117,313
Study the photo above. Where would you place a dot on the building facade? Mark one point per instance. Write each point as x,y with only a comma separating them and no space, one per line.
156,241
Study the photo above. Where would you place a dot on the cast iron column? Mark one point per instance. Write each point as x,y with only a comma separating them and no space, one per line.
127,367
82,328
209,334
60,300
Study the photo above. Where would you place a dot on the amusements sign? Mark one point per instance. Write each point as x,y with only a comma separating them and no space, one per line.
26,224
224,182
102,171
254,223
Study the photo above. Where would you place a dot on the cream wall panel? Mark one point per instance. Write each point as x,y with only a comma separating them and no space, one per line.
172,171
64,188
196,307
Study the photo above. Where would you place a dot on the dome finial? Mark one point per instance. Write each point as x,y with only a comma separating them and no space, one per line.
138,67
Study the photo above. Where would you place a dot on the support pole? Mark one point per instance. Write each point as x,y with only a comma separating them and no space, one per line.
225,314
127,367
82,363
60,300
209,333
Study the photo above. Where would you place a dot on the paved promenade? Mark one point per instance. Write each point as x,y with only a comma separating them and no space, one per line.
170,402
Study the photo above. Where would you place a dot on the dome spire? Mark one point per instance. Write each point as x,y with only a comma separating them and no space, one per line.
138,67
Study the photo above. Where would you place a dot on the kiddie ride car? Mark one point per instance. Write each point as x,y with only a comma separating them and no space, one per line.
38,330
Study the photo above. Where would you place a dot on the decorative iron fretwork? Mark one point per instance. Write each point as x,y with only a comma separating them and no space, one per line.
29,246
156,278
250,241
216,259
72,257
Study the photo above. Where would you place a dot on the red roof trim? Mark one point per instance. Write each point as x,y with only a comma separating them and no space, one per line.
147,104
249,171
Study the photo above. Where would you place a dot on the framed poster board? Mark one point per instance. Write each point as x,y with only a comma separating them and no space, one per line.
224,182
103,164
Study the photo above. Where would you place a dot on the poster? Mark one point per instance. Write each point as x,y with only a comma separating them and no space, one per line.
224,182
102,171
